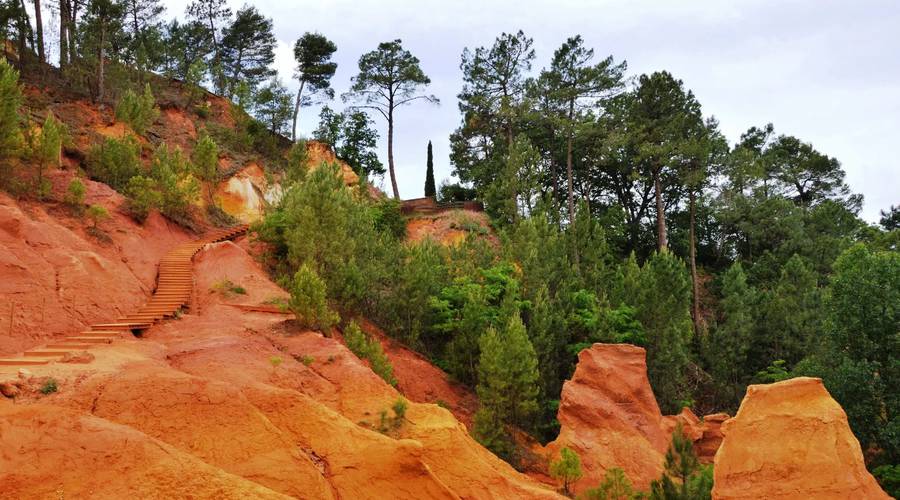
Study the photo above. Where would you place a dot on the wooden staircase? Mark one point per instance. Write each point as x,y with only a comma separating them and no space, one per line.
174,286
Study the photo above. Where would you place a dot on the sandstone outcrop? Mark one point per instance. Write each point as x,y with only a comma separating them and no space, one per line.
791,440
609,416
56,278
197,408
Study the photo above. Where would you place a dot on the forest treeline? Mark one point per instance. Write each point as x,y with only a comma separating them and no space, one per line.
622,214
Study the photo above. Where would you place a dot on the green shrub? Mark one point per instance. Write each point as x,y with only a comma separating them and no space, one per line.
97,214
369,349
46,150
178,189
115,162
10,102
142,197
567,468
888,477
615,486
74,196
399,408
206,158
275,361
309,302
139,111
49,387
228,288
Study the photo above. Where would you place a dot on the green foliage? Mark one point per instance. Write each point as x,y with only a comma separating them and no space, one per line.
567,469
370,350
247,50
888,477
507,378
115,162
97,214
46,146
228,288
354,139
49,386
430,189
309,302
729,342
205,158
178,188
138,111
683,477
10,102
392,423
776,372
142,197
615,486
313,52
74,196
272,106
275,361
388,78
662,297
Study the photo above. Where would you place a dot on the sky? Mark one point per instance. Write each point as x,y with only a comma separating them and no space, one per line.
825,71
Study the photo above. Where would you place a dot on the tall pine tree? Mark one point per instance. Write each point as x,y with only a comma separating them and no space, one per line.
430,189
313,53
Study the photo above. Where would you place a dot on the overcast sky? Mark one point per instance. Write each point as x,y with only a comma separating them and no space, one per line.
825,71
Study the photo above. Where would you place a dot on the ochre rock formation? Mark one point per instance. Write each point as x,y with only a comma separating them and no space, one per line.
609,416
791,440
197,408
246,193
55,278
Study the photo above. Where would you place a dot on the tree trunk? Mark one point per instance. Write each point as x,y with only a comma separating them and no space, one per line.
695,282
63,39
297,111
100,63
570,183
660,213
391,148
72,9
40,31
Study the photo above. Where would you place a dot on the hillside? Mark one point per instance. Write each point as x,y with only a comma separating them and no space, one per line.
194,306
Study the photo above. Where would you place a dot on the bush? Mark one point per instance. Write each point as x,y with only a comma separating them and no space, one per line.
308,301
50,386
615,486
10,121
139,111
228,289
97,214
74,196
46,148
567,468
888,477
115,162
178,189
206,158
370,350
142,197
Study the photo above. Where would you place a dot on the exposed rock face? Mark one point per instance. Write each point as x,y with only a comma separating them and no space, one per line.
55,278
609,416
197,409
791,440
246,193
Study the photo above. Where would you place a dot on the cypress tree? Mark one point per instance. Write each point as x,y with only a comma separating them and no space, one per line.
429,174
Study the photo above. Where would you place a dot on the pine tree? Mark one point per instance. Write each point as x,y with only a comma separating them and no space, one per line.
663,301
430,190
10,102
358,141
567,468
247,50
730,340
507,381
46,150
314,70
389,77
205,158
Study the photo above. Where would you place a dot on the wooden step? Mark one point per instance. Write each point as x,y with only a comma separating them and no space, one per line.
90,340
122,326
101,333
69,345
46,354
23,361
